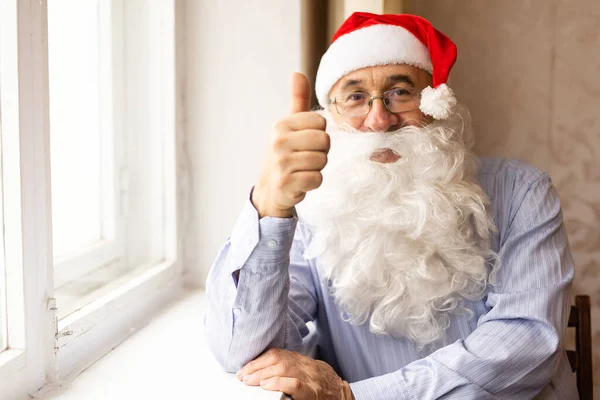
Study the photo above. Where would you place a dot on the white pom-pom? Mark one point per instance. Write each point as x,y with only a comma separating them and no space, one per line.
437,102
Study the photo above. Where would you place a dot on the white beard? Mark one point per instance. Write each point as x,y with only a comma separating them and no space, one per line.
402,245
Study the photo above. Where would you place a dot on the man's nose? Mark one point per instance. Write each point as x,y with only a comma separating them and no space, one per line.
379,118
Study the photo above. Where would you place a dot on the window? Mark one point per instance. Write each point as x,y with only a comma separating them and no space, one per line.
111,213
112,138
87,179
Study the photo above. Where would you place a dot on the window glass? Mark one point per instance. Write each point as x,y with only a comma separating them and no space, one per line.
75,130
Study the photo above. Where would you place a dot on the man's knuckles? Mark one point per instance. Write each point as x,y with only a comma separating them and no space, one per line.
314,180
299,122
309,180
273,355
310,160
311,139
280,141
283,368
303,140
301,161
297,181
296,383
318,159
303,120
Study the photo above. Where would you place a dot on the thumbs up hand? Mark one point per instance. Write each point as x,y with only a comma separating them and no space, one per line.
296,154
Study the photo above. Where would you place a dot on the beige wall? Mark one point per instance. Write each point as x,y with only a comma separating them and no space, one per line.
530,73
237,58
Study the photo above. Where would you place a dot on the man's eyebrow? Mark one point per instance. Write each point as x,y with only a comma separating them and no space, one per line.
399,78
350,82
390,80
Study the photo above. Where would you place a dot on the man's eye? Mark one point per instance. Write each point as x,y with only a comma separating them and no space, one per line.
356,97
400,93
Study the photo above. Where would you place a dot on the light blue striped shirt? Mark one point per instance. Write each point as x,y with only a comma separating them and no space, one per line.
511,349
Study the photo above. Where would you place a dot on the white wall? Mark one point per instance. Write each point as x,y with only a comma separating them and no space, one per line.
238,57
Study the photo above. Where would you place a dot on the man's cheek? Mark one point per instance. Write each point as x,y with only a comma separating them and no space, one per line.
415,118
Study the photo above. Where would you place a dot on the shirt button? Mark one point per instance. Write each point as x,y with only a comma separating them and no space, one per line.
272,244
236,311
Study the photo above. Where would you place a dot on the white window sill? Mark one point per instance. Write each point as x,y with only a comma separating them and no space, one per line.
167,359
11,360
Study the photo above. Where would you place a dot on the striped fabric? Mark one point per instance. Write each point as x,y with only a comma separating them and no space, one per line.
511,349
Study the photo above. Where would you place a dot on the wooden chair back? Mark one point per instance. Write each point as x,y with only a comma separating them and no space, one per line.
581,358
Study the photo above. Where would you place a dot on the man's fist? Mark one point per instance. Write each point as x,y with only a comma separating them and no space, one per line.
296,154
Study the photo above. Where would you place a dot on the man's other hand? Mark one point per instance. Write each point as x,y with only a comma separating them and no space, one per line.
299,376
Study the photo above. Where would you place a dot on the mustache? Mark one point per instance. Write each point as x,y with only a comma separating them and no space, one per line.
349,145
394,129
458,125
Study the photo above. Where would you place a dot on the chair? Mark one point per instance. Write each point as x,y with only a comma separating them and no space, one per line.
581,358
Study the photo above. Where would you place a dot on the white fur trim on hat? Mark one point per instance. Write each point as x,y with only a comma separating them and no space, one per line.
437,102
368,47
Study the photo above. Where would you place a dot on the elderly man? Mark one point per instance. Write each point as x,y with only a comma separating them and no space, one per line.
428,272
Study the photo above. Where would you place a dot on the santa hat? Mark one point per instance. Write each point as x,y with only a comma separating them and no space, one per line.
366,40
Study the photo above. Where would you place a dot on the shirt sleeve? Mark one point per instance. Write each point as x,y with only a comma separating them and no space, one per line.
273,299
518,343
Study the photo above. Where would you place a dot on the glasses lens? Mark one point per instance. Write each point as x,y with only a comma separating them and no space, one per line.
353,104
401,100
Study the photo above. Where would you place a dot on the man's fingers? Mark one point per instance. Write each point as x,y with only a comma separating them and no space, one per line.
300,91
302,120
291,386
283,368
304,181
270,357
307,161
306,140
296,161
259,363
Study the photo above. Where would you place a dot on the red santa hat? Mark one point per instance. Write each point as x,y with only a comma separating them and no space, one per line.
366,40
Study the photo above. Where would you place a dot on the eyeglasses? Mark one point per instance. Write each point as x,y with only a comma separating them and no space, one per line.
358,104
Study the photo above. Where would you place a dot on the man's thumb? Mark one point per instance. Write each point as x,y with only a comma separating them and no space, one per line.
300,90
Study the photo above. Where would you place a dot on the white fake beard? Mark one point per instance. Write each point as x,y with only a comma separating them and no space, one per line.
402,245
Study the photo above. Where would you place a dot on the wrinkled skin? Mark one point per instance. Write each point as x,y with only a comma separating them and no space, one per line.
299,376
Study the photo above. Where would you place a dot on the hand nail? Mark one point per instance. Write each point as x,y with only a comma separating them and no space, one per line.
264,382
246,378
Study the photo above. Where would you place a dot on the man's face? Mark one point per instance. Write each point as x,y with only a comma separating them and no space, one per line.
375,81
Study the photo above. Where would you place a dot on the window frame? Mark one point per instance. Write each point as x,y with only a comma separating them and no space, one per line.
25,161
43,349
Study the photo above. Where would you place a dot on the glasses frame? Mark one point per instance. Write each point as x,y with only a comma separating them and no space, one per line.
370,103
